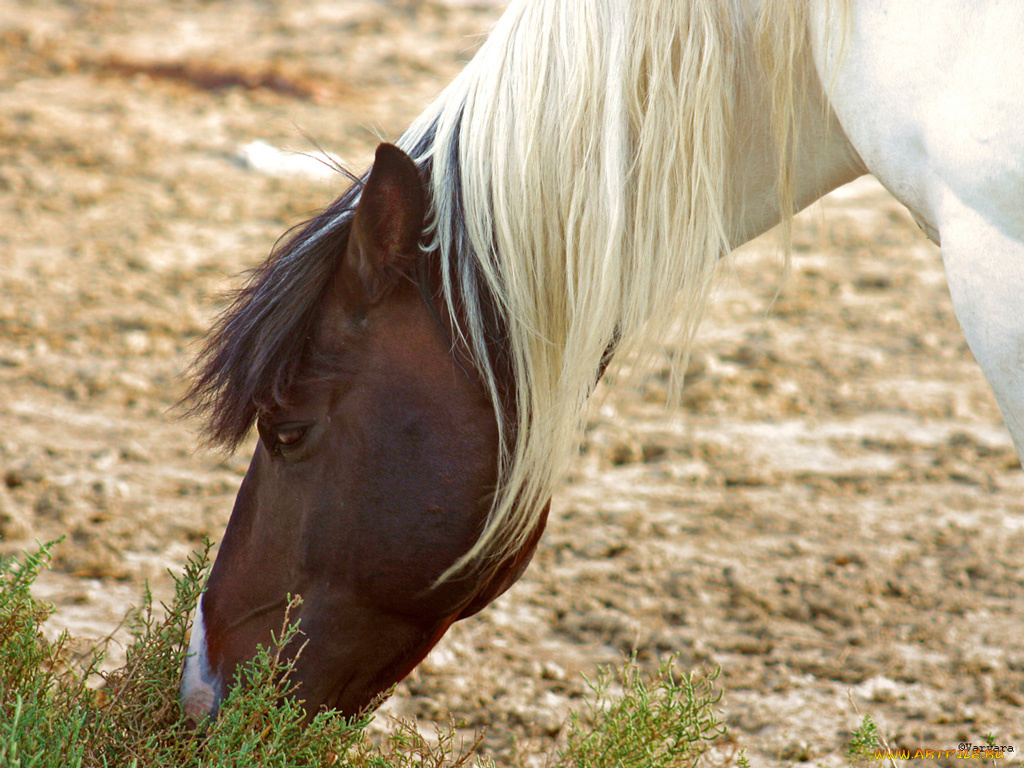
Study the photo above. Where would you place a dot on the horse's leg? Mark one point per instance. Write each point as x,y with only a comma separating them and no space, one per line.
985,269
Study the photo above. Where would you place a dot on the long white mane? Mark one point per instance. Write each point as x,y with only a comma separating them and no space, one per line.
578,177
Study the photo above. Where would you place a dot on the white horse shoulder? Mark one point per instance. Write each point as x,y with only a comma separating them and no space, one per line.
932,96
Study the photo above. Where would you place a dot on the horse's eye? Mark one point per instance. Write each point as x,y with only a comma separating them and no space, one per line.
290,434
278,437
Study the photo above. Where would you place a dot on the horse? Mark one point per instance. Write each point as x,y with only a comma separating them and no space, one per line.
417,357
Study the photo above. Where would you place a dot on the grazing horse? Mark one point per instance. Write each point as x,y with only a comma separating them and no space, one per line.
417,357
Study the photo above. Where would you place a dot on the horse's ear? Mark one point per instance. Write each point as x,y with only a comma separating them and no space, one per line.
384,240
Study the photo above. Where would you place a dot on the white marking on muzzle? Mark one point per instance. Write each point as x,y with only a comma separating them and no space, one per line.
199,696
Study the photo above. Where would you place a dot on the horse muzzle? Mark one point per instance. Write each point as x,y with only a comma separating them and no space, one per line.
200,689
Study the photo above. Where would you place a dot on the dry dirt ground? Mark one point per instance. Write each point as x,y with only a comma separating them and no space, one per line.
833,512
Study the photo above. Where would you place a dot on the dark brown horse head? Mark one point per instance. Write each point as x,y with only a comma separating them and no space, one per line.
376,462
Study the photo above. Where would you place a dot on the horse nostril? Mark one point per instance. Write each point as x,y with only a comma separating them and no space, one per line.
199,701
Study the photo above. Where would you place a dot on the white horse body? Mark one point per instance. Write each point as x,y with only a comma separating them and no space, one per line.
931,96
928,97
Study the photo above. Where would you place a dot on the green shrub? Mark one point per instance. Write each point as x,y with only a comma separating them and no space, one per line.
50,715
864,742
666,722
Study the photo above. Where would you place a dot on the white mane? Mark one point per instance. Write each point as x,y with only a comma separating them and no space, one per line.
578,176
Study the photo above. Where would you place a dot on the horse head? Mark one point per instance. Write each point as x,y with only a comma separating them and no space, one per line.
374,473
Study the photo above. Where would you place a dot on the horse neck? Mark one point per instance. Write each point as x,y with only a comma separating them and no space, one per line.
822,156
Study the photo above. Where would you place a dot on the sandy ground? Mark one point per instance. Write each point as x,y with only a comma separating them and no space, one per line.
832,513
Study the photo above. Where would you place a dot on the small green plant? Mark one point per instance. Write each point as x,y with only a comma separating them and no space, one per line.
991,739
865,742
667,722
51,716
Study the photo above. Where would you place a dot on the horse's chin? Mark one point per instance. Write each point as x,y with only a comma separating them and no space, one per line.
345,698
